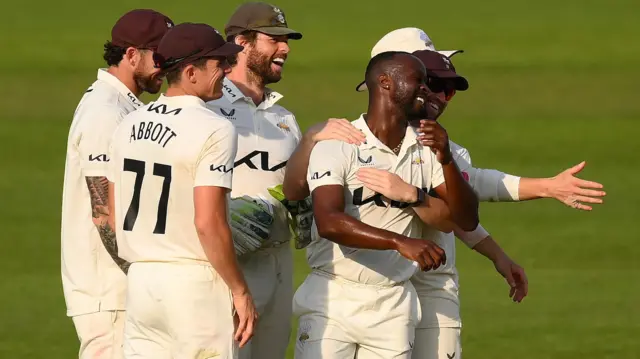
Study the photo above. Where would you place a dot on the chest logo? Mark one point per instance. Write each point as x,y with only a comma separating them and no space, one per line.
228,114
284,127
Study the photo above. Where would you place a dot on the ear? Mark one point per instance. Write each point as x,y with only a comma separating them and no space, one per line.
242,41
131,56
189,73
385,81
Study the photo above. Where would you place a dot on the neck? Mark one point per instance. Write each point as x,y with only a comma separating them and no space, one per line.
386,122
177,90
126,78
248,82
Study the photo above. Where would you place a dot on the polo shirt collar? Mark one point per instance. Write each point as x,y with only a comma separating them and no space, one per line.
182,100
410,137
232,93
104,75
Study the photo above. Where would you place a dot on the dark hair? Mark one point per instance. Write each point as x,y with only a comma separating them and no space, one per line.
250,35
113,54
382,64
174,75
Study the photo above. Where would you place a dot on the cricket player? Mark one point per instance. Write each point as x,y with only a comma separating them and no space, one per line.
93,275
438,335
171,167
358,302
267,136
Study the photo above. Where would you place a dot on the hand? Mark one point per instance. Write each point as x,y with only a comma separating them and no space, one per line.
301,216
433,135
246,317
388,184
251,220
426,253
570,190
336,129
515,277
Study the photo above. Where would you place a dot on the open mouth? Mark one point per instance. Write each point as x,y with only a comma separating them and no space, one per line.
278,61
421,100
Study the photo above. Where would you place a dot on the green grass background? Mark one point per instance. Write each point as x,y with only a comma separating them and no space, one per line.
553,82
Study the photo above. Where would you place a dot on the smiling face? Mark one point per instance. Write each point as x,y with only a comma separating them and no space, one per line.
266,57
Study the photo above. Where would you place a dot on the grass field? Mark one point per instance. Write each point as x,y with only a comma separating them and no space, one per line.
552,83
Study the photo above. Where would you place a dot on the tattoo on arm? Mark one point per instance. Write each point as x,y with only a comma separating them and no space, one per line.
98,191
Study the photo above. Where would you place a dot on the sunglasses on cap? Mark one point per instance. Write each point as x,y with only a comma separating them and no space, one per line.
438,85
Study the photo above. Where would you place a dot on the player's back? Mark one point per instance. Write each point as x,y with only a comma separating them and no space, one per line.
157,152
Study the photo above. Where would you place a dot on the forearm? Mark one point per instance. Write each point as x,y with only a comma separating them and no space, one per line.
490,249
533,188
345,230
295,185
218,247
460,197
435,213
98,192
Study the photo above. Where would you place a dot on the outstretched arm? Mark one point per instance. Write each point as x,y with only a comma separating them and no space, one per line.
99,194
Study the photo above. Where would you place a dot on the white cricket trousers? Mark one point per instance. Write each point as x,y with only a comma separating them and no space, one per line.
437,343
345,320
269,275
178,311
100,334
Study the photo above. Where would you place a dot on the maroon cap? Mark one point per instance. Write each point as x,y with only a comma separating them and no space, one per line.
188,42
440,66
141,28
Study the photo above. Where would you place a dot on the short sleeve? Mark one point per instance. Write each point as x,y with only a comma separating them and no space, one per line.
98,127
329,164
463,159
214,166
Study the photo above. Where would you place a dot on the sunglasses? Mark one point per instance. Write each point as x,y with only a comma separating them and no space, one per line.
438,85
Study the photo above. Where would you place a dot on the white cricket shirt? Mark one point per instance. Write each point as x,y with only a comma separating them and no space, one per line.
158,155
267,136
336,163
90,278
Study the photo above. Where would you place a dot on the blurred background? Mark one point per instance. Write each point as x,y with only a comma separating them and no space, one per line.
552,83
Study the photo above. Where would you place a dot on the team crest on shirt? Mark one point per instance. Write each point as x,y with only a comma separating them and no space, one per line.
207,354
304,332
417,161
284,127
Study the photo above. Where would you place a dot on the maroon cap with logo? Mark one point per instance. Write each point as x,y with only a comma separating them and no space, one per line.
140,28
440,66
188,42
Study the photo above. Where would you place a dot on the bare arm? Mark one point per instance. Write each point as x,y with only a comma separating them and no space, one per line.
432,211
337,226
98,192
295,186
215,236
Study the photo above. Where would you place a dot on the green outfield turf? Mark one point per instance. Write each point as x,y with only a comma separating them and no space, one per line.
553,82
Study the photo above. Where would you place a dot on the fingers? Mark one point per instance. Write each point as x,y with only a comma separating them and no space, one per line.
588,199
345,128
589,184
577,168
590,193
248,333
242,325
522,285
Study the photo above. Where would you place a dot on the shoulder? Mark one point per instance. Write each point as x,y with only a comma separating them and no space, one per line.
334,149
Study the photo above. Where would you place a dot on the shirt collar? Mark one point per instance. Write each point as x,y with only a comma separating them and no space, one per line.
104,75
410,137
232,93
182,100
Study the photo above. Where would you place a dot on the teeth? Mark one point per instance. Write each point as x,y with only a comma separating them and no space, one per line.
279,61
421,100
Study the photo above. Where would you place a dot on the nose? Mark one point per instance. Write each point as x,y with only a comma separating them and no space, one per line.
283,47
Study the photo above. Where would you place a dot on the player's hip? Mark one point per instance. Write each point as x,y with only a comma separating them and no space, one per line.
357,304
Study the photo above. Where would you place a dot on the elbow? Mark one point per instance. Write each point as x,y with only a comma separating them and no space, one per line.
327,227
295,192
469,222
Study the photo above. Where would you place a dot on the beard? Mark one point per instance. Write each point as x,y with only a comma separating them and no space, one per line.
260,65
147,83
